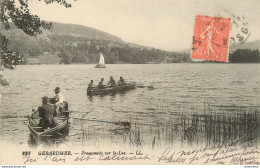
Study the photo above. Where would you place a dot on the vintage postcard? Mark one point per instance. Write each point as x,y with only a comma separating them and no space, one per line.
126,82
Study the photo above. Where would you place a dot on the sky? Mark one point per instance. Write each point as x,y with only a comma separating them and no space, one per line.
163,24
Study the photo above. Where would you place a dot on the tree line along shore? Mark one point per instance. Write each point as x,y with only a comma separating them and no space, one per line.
55,48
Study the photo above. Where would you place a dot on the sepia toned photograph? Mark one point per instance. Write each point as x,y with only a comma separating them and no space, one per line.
130,82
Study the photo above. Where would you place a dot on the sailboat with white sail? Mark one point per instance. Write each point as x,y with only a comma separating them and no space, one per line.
101,63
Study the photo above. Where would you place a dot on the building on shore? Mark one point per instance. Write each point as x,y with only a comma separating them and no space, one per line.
33,60
43,59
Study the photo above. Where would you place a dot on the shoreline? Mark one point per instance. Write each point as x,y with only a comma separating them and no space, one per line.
202,62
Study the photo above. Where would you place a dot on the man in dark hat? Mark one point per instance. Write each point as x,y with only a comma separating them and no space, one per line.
112,82
46,112
58,98
101,84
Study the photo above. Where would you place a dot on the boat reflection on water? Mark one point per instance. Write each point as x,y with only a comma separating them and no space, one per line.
112,95
90,98
57,139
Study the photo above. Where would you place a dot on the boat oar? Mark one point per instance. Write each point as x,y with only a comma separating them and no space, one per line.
142,86
122,123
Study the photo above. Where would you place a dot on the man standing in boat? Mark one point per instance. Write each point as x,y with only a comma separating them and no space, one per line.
58,98
101,84
112,82
46,112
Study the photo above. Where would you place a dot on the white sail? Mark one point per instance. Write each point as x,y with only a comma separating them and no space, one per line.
101,63
101,60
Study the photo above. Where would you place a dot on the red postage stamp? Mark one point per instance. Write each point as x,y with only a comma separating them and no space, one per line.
211,38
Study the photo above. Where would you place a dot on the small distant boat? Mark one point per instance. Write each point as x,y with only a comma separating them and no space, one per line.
108,90
101,63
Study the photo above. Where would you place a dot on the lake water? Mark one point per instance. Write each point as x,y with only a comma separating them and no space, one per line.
176,90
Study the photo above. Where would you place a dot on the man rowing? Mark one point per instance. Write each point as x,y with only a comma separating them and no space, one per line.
46,112
121,82
112,82
101,84
90,85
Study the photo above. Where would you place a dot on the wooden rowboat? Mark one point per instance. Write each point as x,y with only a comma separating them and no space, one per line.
38,132
108,90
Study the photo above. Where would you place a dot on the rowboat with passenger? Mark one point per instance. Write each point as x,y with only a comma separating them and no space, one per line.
37,131
107,90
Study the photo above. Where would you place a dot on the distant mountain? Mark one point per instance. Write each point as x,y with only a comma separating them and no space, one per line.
84,31
72,43
187,51
74,30
254,45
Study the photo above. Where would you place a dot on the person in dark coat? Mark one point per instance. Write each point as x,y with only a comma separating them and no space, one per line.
112,82
101,84
90,85
121,82
46,112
